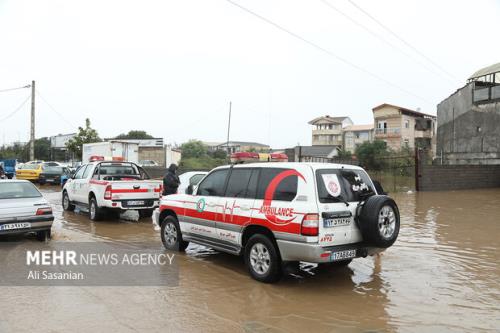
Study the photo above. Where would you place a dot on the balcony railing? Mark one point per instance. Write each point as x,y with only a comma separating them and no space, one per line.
486,94
387,131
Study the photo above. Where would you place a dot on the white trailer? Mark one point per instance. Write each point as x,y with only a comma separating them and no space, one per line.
127,151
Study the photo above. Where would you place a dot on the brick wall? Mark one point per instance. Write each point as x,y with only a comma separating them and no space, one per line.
457,177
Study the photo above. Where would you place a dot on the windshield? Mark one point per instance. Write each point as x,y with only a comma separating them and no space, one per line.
118,169
13,190
53,169
337,185
30,166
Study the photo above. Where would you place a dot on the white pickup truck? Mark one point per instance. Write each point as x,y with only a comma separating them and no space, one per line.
111,187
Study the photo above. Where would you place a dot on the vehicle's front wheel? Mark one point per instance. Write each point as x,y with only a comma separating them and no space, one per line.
95,212
171,235
44,235
143,213
66,203
262,259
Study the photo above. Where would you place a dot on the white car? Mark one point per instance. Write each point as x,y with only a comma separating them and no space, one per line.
280,213
23,209
148,163
110,186
190,178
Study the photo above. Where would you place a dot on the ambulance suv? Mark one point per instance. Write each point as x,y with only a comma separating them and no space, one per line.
277,213
111,187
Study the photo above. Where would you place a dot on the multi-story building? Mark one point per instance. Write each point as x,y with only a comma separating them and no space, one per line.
469,121
328,131
401,127
238,146
355,135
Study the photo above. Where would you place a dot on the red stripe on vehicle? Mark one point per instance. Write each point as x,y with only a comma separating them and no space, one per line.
140,190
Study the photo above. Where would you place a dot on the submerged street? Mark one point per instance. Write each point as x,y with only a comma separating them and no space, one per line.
440,275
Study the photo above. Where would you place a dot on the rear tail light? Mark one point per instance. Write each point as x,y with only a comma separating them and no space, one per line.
310,225
44,211
108,193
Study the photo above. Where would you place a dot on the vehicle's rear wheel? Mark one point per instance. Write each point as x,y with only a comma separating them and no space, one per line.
95,212
379,221
143,213
43,235
171,235
66,203
262,259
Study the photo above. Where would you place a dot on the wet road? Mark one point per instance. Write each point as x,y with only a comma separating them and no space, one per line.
442,275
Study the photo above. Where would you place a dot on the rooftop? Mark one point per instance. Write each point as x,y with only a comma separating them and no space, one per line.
358,128
485,71
405,110
328,119
243,143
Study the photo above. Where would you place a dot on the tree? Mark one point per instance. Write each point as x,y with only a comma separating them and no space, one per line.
85,135
193,149
371,154
42,149
137,135
344,154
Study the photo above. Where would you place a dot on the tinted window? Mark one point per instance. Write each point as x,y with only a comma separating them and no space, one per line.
87,171
286,190
196,179
354,185
238,183
117,169
252,184
80,172
213,185
12,190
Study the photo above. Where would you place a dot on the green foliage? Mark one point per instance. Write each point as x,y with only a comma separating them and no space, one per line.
42,149
137,135
371,154
204,163
85,135
19,151
220,154
193,149
344,154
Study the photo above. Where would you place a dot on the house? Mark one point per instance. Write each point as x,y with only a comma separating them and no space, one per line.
355,135
237,146
400,127
469,121
327,131
311,153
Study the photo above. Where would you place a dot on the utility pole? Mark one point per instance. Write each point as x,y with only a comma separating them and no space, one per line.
228,129
32,132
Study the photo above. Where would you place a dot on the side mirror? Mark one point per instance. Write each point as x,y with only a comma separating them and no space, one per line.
378,187
190,189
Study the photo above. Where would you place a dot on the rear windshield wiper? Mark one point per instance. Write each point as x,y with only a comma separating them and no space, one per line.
338,199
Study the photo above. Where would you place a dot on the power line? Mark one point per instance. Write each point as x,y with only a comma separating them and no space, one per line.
339,58
15,110
378,36
10,89
53,109
402,40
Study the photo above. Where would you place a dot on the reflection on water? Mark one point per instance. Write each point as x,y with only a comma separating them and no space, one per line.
442,275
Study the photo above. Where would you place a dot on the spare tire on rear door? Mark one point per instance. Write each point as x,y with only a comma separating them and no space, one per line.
379,221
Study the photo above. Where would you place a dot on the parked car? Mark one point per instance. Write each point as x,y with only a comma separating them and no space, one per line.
23,209
101,187
275,214
9,167
29,171
190,178
53,174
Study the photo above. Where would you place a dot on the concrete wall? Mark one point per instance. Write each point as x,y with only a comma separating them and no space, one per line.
156,154
457,177
468,133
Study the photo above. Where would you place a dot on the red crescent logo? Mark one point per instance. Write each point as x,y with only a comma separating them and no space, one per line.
271,188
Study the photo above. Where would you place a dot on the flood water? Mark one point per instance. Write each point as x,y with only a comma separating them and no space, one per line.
442,275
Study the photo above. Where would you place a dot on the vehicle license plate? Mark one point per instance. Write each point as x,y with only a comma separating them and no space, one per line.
13,226
50,179
136,203
342,255
336,222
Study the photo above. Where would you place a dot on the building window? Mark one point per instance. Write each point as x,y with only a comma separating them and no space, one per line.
407,124
407,142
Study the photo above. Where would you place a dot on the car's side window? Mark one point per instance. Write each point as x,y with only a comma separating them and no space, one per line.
88,170
80,172
213,184
286,189
196,179
252,184
238,183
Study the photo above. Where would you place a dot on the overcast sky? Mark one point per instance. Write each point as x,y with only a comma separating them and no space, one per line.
171,67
